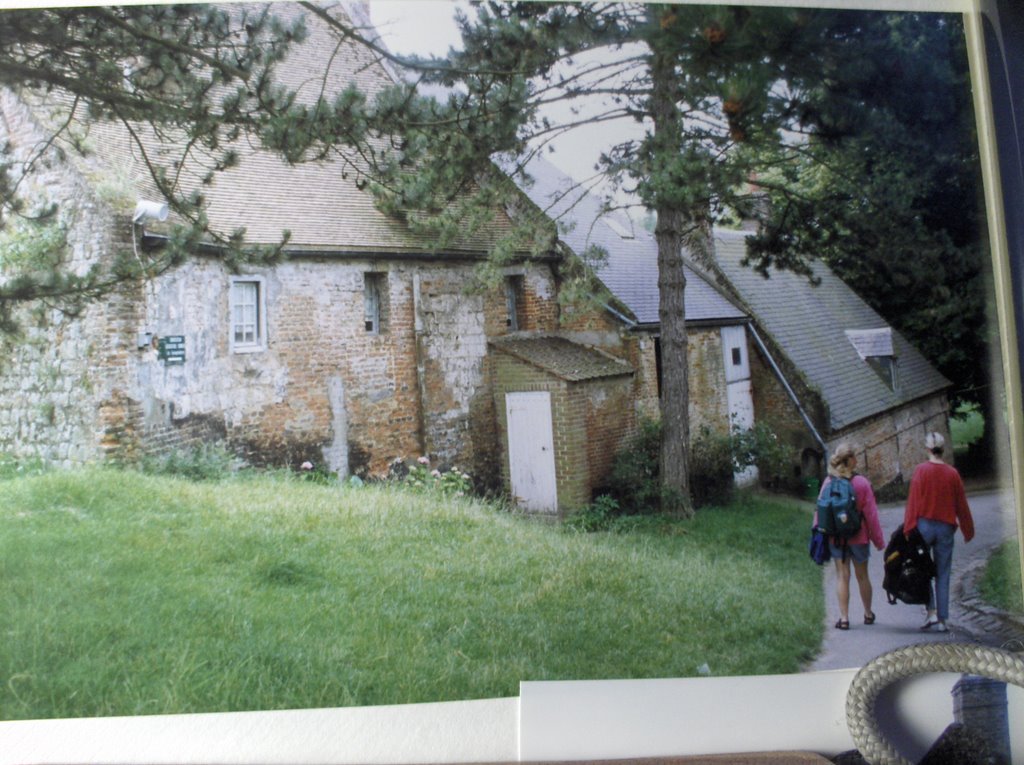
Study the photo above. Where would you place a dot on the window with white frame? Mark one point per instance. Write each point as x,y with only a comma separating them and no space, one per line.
248,314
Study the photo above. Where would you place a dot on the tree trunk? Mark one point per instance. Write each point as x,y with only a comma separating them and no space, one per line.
669,233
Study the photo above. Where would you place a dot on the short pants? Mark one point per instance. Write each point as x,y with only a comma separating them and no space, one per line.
859,553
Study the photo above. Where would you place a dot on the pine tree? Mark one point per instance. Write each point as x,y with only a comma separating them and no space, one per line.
710,85
196,77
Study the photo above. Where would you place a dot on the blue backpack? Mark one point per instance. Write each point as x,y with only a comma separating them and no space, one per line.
837,509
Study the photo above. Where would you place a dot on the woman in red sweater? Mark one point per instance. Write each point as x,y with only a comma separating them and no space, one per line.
936,505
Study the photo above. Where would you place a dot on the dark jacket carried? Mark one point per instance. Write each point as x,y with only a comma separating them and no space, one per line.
908,568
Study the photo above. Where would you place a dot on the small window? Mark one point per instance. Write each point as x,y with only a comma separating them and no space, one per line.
374,303
886,368
514,303
875,346
248,315
737,357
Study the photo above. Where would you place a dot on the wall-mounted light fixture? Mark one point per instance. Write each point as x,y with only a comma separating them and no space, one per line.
145,210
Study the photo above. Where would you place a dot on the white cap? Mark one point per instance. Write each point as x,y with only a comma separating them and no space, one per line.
934,441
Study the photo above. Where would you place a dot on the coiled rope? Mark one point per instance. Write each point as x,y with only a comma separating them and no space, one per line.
879,673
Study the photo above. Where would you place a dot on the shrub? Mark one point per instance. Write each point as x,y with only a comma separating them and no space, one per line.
597,516
711,467
207,462
635,480
12,467
450,482
761,446
714,457
317,474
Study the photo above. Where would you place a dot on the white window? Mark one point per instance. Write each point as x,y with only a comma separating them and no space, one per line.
248,315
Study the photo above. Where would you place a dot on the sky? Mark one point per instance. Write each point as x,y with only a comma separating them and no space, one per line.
428,27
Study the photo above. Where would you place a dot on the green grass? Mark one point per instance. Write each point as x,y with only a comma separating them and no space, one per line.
966,426
1001,583
125,594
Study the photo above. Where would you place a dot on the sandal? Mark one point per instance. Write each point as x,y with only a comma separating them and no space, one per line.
869,618
843,624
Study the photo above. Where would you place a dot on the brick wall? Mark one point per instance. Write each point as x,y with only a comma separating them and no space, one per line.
324,388
891,445
774,406
590,420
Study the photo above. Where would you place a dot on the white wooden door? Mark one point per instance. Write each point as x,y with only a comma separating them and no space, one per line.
738,391
531,450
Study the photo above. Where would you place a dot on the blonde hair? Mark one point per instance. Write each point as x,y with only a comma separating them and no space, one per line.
840,464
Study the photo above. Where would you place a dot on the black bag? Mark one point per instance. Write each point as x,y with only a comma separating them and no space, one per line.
817,548
909,568
838,515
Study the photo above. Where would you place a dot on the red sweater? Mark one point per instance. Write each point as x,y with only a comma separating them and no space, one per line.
936,492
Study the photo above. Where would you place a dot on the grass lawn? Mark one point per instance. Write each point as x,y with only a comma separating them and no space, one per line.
966,426
1001,583
125,594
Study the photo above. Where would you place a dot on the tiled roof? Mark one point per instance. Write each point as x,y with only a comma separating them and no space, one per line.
810,324
561,357
319,202
631,270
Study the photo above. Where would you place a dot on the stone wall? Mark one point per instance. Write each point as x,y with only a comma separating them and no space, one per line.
323,388
57,381
891,445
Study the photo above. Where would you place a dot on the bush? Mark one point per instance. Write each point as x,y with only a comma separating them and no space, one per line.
760,446
450,482
711,468
11,467
635,482
208,462
597,516
317,474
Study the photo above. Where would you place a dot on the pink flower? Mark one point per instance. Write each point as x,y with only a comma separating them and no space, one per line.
435,473
424,460
307,465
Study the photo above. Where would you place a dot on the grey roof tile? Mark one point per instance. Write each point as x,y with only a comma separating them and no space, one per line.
810,323
561,357
630,271
318,202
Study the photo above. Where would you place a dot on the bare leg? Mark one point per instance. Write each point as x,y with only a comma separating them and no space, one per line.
843,587
860,570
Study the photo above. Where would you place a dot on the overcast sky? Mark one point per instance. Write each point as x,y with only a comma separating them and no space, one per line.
428,27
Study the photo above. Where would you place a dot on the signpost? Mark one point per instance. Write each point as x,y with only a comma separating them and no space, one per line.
171,349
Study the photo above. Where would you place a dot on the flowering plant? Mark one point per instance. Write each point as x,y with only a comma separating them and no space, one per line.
452,482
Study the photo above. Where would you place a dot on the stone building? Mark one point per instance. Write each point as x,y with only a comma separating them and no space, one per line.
624,257
361,346
830,369
814,362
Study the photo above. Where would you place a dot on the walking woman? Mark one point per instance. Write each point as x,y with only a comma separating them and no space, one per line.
857,548
936,504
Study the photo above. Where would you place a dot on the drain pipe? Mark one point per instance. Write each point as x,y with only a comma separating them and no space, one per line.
789,391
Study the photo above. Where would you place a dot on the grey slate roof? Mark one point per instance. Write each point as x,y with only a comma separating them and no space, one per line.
319,202
561,357
631,270
810,324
